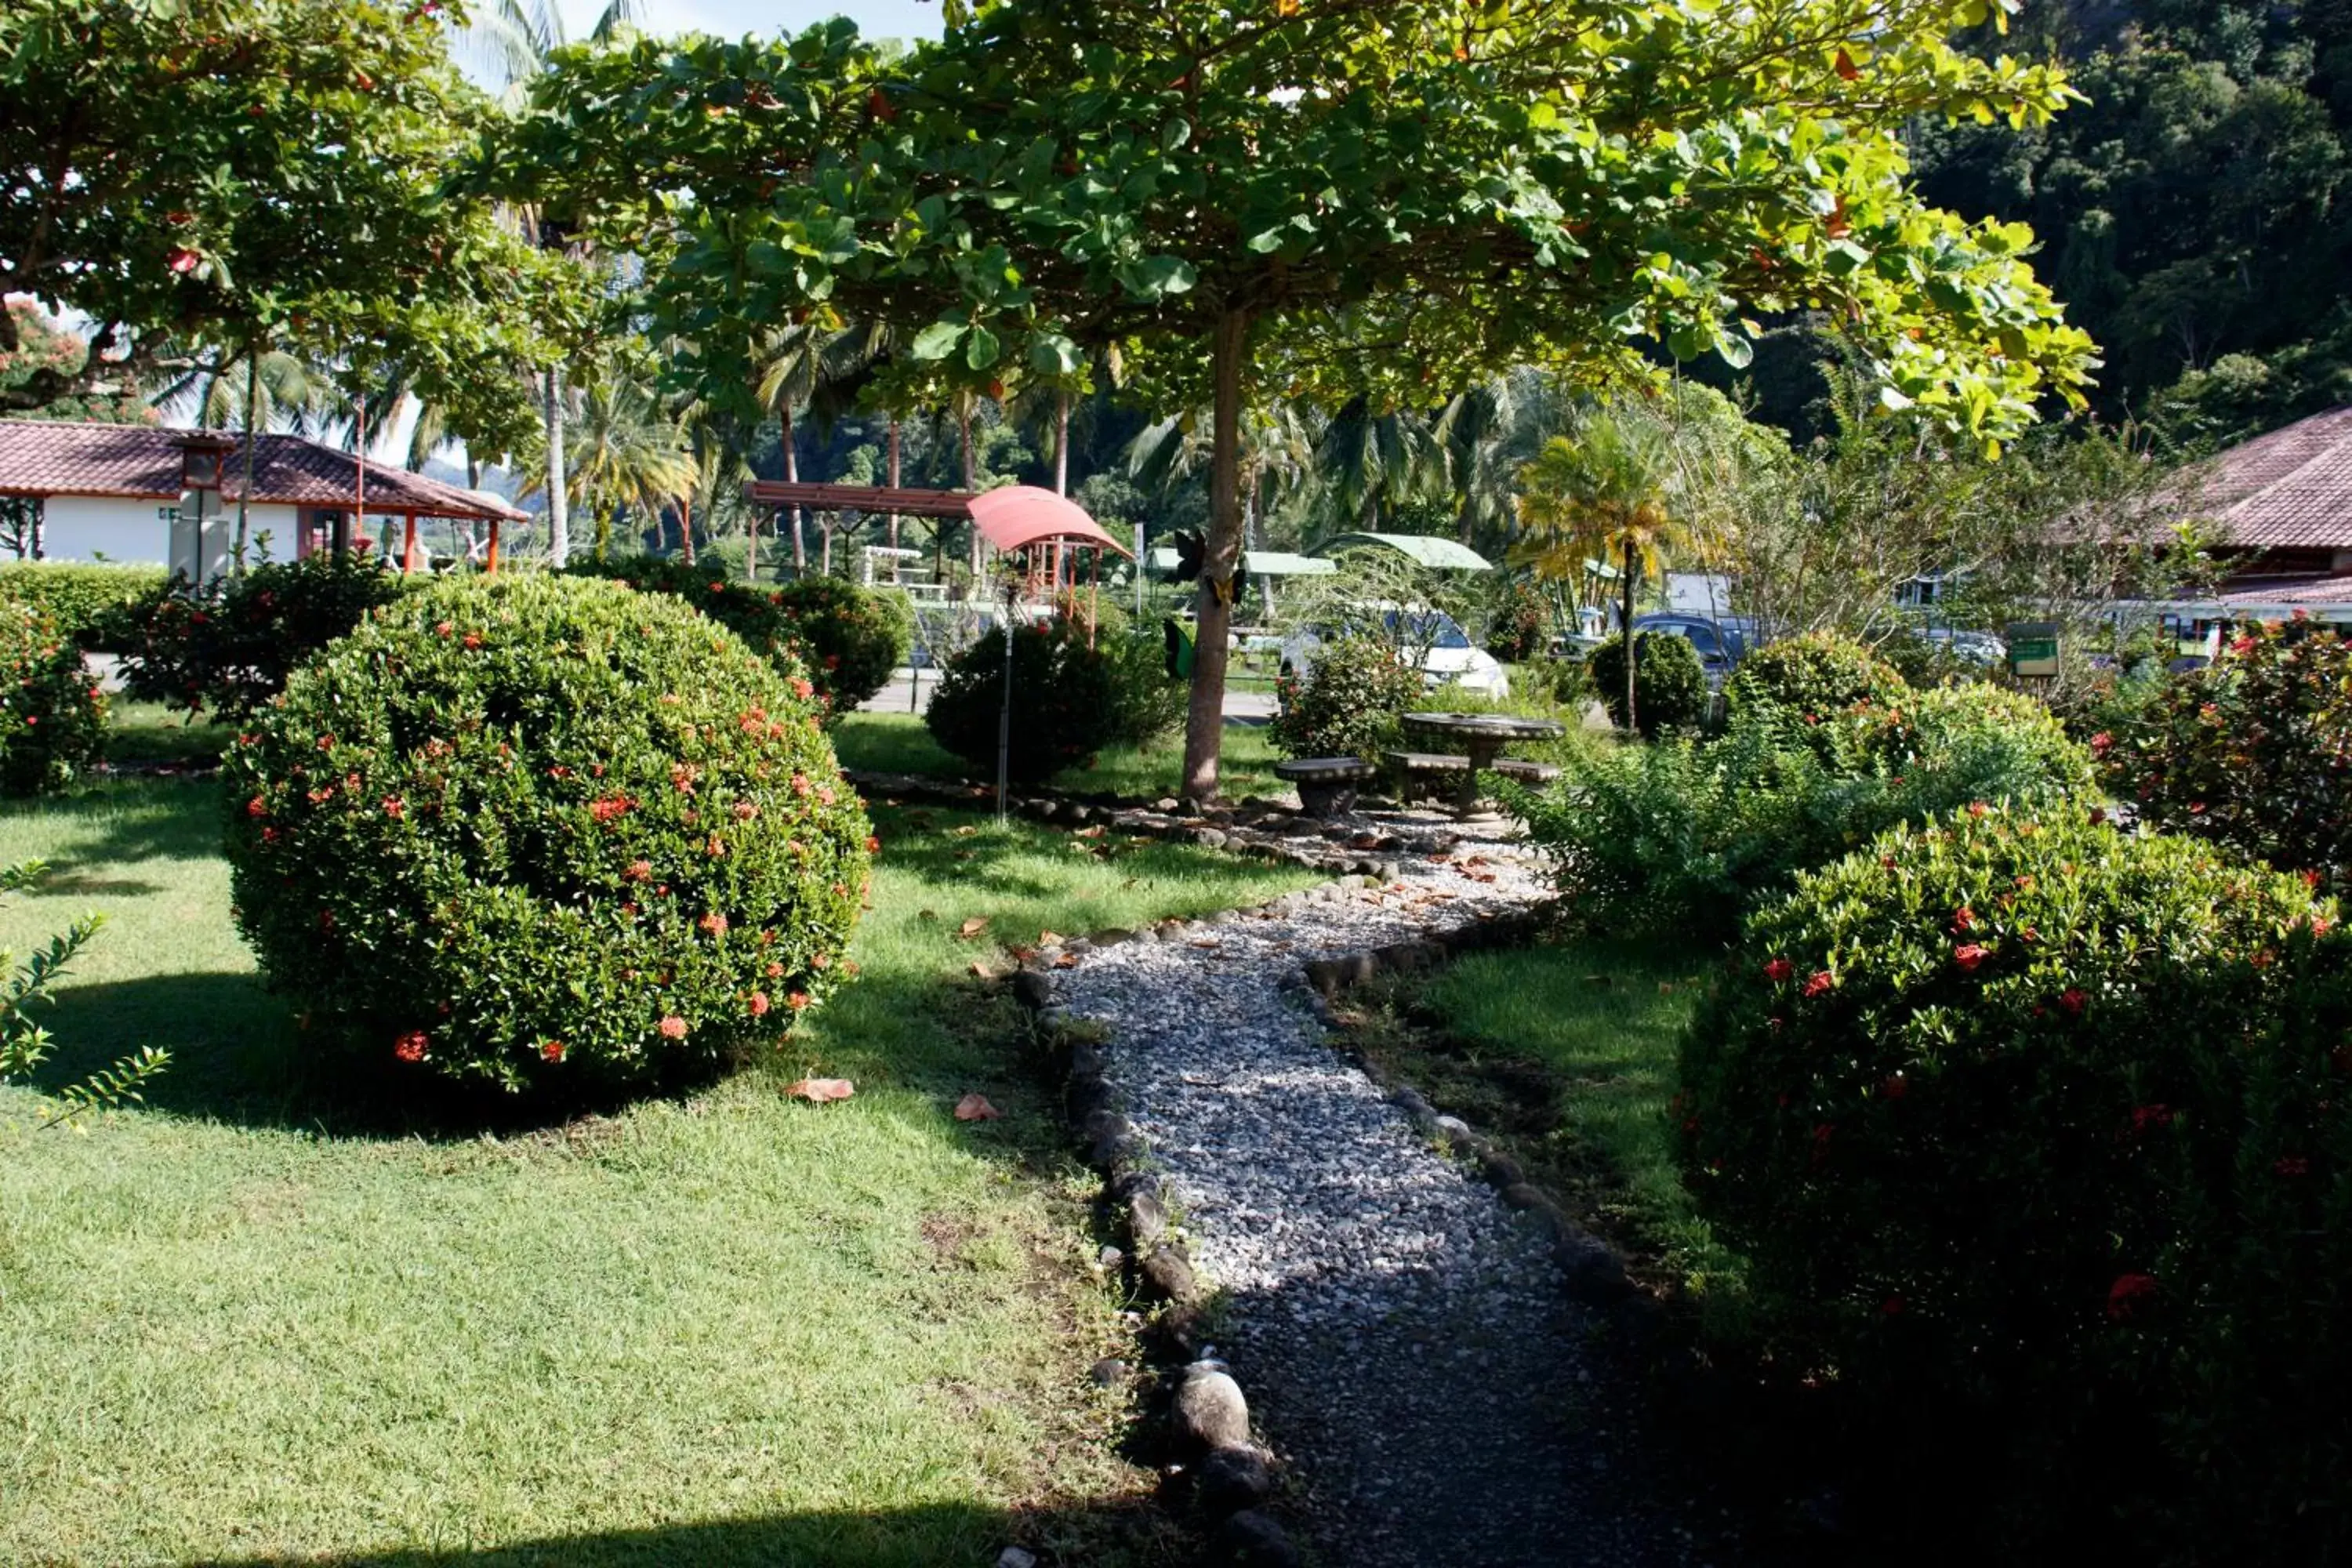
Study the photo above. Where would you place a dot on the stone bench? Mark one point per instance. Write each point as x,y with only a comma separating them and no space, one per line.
1326,785
1423,768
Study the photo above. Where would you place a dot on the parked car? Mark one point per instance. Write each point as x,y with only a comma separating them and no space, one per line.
1720,645
1452,656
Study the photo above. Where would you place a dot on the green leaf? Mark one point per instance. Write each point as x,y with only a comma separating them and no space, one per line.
1051,353
1157,277
938,341
979,353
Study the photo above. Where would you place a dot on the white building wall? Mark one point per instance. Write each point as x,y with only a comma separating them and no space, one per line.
81,528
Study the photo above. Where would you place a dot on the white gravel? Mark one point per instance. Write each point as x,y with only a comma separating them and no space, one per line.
1405,1339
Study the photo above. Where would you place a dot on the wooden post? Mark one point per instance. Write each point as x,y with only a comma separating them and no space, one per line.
490,566
408,544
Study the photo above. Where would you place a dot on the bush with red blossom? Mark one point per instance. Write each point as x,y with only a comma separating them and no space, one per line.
544,831
842,639
52,714
2253,751
2080,1100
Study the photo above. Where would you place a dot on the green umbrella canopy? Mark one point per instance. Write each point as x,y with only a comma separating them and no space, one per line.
1427,549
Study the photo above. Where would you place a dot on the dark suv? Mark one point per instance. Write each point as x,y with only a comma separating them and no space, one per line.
1720,645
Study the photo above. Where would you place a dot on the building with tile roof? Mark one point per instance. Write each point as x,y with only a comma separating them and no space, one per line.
120,492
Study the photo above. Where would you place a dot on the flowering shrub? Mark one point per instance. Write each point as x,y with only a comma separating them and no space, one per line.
1980,741
99,607
1997,1112
2254,752
844,639
1346,704
542,831
1669,682
1065,704
230,646
1518,622
52,714
1814,678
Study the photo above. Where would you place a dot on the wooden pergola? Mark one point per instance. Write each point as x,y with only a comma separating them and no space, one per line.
1011,518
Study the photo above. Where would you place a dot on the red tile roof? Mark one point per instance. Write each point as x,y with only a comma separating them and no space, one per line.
2291,489
142,462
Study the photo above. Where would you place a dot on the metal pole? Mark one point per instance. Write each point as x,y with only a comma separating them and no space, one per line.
1138,571
1004,714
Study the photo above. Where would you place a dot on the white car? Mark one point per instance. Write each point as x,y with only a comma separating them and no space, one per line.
1452,658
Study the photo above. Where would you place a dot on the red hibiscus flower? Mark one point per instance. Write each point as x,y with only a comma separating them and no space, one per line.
2126,1294
1777,969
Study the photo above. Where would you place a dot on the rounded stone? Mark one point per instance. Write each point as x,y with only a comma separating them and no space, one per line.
1233,1478
1210,1411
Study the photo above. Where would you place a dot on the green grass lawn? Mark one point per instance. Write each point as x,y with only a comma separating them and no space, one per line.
1567,1051
244,1324
148,732
897,742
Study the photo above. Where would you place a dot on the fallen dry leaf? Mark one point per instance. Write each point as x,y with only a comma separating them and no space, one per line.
966,831
971,927
1096,831
1049,939
1068,961
981,971
1023,954
820,1089
975,1108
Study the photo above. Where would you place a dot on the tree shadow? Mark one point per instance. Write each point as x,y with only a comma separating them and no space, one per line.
921,1537
129,820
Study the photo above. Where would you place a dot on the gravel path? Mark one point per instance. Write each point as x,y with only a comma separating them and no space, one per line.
1404,1339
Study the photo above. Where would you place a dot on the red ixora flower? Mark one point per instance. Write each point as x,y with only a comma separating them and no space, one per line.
2145,1117
797,1000
410,1046
257,806
394,808
774,971
1821,981
1967,956
443,628
713,924
801,689
552,1051
2291,1165
873,845
1964,919
2127,1293
759,1003
638,871
180,258
1977,808
470,640
2073,999
1892,1307
672,1028
2101,744
1777,969
611,806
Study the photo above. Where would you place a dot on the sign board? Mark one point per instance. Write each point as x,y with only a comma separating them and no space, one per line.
2033,649
1704,594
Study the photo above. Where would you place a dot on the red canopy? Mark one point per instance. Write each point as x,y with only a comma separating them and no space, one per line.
1018,515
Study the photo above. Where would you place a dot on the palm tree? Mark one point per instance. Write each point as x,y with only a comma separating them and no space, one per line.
799,365
630,455
1603,492
1365,457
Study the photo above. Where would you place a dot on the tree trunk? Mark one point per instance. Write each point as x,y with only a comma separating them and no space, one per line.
894,485
792,476
1062,444
1205,721
244,490
1631,717
686,530
559,519
970,474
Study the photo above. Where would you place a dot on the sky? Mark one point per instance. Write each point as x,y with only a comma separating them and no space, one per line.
731,18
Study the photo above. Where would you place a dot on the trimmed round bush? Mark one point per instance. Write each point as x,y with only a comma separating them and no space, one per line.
230,646
852,637
545,832
1064,700
844,639
1957,1105
1347,702
100,608
2253,751
1816,676
1669,682
1518,623
52,714
1993,743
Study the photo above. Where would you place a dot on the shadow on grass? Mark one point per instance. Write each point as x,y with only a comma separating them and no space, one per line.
901,1538
129,820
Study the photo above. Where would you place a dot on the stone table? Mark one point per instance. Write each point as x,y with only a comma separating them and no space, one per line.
1482,737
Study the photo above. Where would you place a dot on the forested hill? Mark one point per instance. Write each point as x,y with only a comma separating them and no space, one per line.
2196,215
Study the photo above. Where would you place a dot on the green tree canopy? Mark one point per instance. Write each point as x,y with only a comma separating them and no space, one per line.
243,170
1393,201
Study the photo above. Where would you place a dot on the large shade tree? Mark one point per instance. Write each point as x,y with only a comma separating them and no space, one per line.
250,172
1389,200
